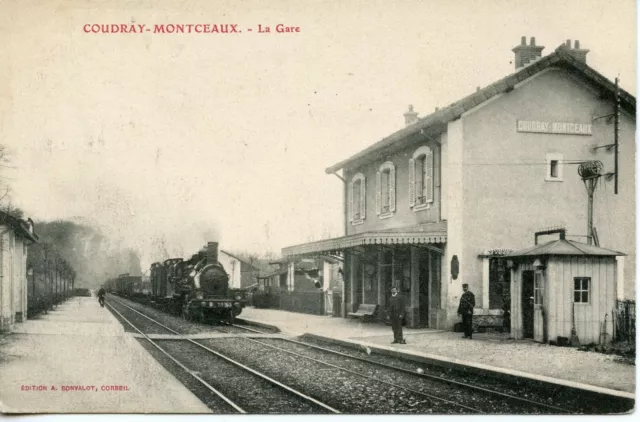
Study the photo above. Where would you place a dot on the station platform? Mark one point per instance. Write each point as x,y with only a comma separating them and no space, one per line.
493,352
78,359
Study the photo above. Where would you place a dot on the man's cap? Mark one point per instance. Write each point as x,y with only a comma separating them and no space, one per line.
465,285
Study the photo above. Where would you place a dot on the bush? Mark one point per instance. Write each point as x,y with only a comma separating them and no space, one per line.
81,292
624,349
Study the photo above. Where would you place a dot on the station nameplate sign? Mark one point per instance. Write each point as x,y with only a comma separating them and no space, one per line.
562,128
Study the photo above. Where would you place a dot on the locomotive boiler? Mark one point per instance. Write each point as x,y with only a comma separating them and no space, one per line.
197,288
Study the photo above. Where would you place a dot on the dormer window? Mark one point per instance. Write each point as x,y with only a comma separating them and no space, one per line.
386,190
421,179
357,202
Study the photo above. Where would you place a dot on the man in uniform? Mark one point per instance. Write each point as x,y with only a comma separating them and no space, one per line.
467,303
396,314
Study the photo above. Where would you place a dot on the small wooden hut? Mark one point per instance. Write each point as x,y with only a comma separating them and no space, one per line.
563,284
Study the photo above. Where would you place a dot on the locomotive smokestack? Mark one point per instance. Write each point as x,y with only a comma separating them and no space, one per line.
212,251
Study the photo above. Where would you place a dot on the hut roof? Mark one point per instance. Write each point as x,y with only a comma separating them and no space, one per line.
563,247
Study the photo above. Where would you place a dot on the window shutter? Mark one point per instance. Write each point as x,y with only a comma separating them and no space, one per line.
412,182
363,196
378,192
392,189
350,203
428,179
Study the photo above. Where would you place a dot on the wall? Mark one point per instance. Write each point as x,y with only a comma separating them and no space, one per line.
13,279
589,317
404,215
505,194
233,268
455,194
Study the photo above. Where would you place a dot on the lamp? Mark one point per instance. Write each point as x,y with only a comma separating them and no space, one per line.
511,264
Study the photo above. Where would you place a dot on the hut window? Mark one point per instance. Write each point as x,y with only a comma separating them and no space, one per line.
581,289
538,289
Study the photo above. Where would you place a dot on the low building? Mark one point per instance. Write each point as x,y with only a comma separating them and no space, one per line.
563,286
241,273
15,236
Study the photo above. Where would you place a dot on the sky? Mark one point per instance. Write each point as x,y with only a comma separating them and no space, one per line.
187,138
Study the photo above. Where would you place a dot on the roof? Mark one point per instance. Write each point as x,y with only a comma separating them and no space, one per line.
425,233
563,247
436,122
244,261
21,227
271,274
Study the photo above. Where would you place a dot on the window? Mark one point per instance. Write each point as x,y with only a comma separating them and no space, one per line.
421,178
581,289
554,167
538,288
499,283
357,202
386,190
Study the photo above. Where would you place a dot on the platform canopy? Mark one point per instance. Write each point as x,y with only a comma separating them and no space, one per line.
426,233
563,247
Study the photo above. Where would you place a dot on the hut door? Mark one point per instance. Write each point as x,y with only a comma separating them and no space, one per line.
527,304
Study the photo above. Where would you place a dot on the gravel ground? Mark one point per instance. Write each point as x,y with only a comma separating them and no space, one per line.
486,402
565,398
239,385
206,396
346,392
138,320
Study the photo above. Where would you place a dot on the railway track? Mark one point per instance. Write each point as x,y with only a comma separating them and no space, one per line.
212,367
384,375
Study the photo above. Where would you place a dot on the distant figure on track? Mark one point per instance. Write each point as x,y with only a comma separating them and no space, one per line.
101,294
467,303
396,314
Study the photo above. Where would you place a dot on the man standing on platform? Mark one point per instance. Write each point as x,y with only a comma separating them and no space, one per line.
396,314
467,303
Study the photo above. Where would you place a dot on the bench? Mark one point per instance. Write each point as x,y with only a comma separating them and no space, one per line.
365,312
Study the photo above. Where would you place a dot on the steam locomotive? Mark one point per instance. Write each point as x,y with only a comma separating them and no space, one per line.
196,288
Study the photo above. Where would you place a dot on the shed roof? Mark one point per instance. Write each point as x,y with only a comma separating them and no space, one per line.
563,247
437,121
21,227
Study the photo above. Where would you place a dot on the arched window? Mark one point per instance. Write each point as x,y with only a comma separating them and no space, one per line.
386,190
357,203
421,178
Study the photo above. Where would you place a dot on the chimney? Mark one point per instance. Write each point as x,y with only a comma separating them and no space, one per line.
410,117
527,53
212,252
578,53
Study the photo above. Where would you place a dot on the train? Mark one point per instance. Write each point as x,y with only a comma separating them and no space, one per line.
196,288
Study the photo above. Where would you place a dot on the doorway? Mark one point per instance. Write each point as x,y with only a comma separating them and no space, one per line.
424,282
527,304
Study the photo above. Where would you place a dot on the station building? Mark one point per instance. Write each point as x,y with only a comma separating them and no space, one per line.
15,236
440,202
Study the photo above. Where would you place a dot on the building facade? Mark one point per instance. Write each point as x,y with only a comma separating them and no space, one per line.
438,203
15,236
241,273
